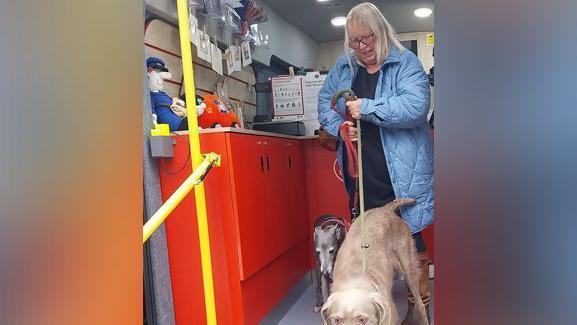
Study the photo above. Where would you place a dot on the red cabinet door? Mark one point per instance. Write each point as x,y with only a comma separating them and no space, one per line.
325,190
298,195
248,168
286,186
279,189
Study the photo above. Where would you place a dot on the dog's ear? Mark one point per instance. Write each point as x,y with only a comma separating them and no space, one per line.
338,233
341,234
315,233
335,230
382,308
326,309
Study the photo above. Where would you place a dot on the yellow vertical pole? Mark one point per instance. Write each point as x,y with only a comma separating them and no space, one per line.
186,52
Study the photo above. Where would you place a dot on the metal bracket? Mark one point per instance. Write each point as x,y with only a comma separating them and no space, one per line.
216,157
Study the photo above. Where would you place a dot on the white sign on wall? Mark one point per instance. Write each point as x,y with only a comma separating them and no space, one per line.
287,95
297,97
312,84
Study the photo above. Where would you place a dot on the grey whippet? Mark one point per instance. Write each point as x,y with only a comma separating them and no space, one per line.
329,234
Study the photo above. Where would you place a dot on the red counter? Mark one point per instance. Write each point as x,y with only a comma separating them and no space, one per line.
261,205
258,225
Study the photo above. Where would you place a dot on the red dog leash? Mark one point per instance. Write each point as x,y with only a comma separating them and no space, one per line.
351,147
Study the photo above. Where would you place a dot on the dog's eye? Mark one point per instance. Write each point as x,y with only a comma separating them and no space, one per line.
318,252
362,320
331,250
337,321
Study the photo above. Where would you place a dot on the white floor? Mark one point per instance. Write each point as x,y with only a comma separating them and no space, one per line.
301,313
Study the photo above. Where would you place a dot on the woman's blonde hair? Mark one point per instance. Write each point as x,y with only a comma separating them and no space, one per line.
369,15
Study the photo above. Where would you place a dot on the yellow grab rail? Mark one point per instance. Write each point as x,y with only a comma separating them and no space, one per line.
164,211
204,242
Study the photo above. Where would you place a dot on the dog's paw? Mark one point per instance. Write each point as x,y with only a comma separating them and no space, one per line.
317,309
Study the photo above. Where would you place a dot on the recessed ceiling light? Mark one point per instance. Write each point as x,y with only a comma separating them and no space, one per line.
323,0
339,21
423,12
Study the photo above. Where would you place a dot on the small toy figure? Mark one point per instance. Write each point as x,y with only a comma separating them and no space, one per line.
217,113
171,111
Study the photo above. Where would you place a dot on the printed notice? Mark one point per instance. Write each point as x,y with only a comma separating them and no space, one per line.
246,55
287,96
312,84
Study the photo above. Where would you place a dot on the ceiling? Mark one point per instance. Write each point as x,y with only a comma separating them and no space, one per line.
314,18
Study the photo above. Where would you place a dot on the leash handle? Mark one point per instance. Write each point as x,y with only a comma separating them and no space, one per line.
348,95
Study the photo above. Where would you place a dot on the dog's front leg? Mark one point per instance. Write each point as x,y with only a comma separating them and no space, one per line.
319,294
325,288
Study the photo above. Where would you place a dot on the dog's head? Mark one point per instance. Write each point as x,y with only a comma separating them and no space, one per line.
356,307
327,243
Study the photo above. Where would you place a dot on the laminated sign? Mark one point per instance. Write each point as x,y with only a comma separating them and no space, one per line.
312,84
287,95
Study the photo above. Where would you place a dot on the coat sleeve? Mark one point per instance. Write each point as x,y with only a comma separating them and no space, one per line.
407,108
328,118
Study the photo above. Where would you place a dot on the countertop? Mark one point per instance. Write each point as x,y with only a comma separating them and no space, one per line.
251,132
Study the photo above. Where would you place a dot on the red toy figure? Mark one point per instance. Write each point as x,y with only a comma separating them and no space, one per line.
217,113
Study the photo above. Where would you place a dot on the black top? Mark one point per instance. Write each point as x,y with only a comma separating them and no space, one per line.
377,181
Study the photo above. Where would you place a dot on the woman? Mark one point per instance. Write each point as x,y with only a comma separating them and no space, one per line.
393,100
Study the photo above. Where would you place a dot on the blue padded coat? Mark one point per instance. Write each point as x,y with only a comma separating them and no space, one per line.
400,110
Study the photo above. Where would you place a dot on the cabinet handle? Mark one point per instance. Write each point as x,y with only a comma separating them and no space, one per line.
267,164
290,162
261,165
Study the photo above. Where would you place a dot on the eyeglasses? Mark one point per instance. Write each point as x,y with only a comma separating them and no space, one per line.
366,40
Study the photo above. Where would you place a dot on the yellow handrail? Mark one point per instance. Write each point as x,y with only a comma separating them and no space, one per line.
188,74
164,211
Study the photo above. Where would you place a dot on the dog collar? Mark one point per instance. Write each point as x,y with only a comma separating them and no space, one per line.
339,221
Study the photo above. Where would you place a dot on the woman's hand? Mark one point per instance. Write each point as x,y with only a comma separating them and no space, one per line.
354,107
352,131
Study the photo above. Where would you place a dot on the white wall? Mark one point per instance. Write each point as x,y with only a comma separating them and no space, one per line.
163,8
425,51
329,52
286,41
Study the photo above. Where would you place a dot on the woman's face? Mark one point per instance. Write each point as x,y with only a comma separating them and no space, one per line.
362,41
